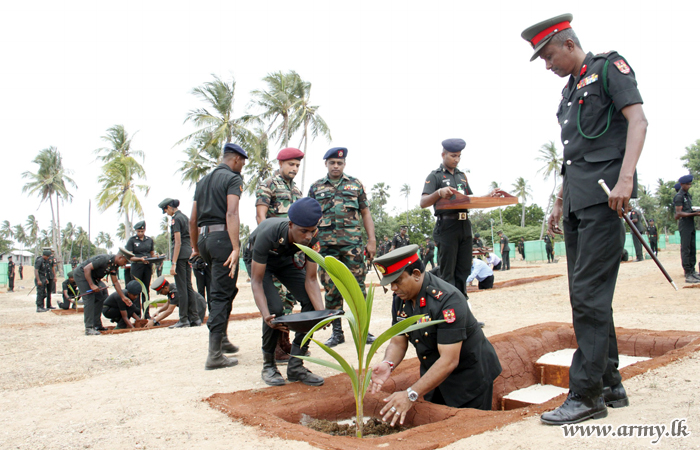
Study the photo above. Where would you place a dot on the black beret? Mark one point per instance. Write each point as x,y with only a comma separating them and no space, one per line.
305,212
336,152
140,225
165,203
133,287
235,148
70,274
677,187
685,179
46,253
453,145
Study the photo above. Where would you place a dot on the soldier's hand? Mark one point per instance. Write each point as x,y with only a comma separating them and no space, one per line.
172,270
276,326
497,193
380,373
127,301
554,218
39,283
619,198
371,250
232,261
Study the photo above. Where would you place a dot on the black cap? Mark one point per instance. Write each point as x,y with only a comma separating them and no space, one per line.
46,253
392,265
140,225
541,33
453,145
336,152
305,212
235,148
133,287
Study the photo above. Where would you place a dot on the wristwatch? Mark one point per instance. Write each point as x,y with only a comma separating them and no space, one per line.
412,395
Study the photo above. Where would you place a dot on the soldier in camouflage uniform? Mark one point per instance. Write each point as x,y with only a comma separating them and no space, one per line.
274,196
345,205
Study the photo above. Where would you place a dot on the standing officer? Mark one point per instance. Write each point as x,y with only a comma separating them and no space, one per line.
653,234
51,278
457,362
400,239
634,217
215,225
74,262
21,271
10,274
429,254
41,281
549,247
505,250
274,197
89,277
142,247
453,230
685,216
344,203
181,250
270,252
521,247
603,129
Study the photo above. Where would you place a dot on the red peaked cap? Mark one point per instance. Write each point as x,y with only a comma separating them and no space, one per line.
290,153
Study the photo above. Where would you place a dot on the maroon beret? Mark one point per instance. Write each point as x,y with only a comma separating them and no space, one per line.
290,153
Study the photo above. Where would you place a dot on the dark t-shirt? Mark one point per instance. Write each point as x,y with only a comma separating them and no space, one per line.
115,301
504,241
685,201
71,288
101,265
270,240
181,224
172,296
140,248
41,266
211,195
441,178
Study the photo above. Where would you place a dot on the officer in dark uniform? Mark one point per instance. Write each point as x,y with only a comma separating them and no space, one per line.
21,271
429,255
69,290
89,277
51,278
685,215
401,238
385,246
74,263
603,127
521,247
214,227
505,250
457,363
41,281
142,247
117,311
653,234
163,287
202,274
635,217
10,274
549,247
270,252
453,230
478,242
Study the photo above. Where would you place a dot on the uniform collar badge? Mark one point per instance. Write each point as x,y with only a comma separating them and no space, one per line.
422,302
281,241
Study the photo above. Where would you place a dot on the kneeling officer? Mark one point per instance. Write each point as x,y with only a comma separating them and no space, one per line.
457,362
118,312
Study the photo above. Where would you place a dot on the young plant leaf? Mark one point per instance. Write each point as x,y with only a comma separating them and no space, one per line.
395,330
318,326
346,367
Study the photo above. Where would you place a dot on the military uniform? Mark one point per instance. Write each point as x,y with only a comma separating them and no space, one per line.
400,241
183,272
593,233
686,228
51,276
636,219
278,195
10,276
102,265
549,248
142,271
21,271
505,253
340,232
174,299
214,242
453,229
521,248
73,291
429,255
41,268
653,235
470,385
113,306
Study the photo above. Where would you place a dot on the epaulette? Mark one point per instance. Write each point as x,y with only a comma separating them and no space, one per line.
434,292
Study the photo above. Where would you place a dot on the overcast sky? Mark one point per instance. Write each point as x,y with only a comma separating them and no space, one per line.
392,79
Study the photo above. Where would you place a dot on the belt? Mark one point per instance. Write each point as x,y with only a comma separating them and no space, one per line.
455,216
211,228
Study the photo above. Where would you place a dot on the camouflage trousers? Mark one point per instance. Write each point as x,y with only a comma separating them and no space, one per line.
353,258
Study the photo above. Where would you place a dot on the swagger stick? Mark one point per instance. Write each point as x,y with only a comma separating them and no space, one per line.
639,236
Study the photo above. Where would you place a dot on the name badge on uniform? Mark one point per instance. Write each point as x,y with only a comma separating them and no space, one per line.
588,80
351,187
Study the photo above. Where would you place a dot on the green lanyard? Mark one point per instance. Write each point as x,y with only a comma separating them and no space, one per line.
610,111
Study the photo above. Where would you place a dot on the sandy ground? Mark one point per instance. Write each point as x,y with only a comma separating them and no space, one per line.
61,389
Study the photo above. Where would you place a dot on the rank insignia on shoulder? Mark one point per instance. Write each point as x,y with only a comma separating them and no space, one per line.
422,302
449,315
622,66
427,181
439,294
588,80
424,319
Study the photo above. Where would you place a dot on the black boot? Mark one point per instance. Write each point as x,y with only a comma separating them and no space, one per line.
270,375
615,396
215,359
338,337
297,372
576,408
226,345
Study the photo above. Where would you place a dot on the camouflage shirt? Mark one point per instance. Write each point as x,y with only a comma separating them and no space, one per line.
341,204
276,194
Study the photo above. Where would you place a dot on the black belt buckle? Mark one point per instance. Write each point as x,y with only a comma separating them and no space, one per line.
462,216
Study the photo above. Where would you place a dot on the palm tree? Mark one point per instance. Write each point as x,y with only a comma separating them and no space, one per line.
258,166
81,239
496,185
278,103
406,191
107,241
68,234
522,189
20,235
121,232
307,116
32,233
165,227
50,180
552,166
6,230
119,175
380,197
203,155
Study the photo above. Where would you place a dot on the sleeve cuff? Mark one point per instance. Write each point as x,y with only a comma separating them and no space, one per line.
451,335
